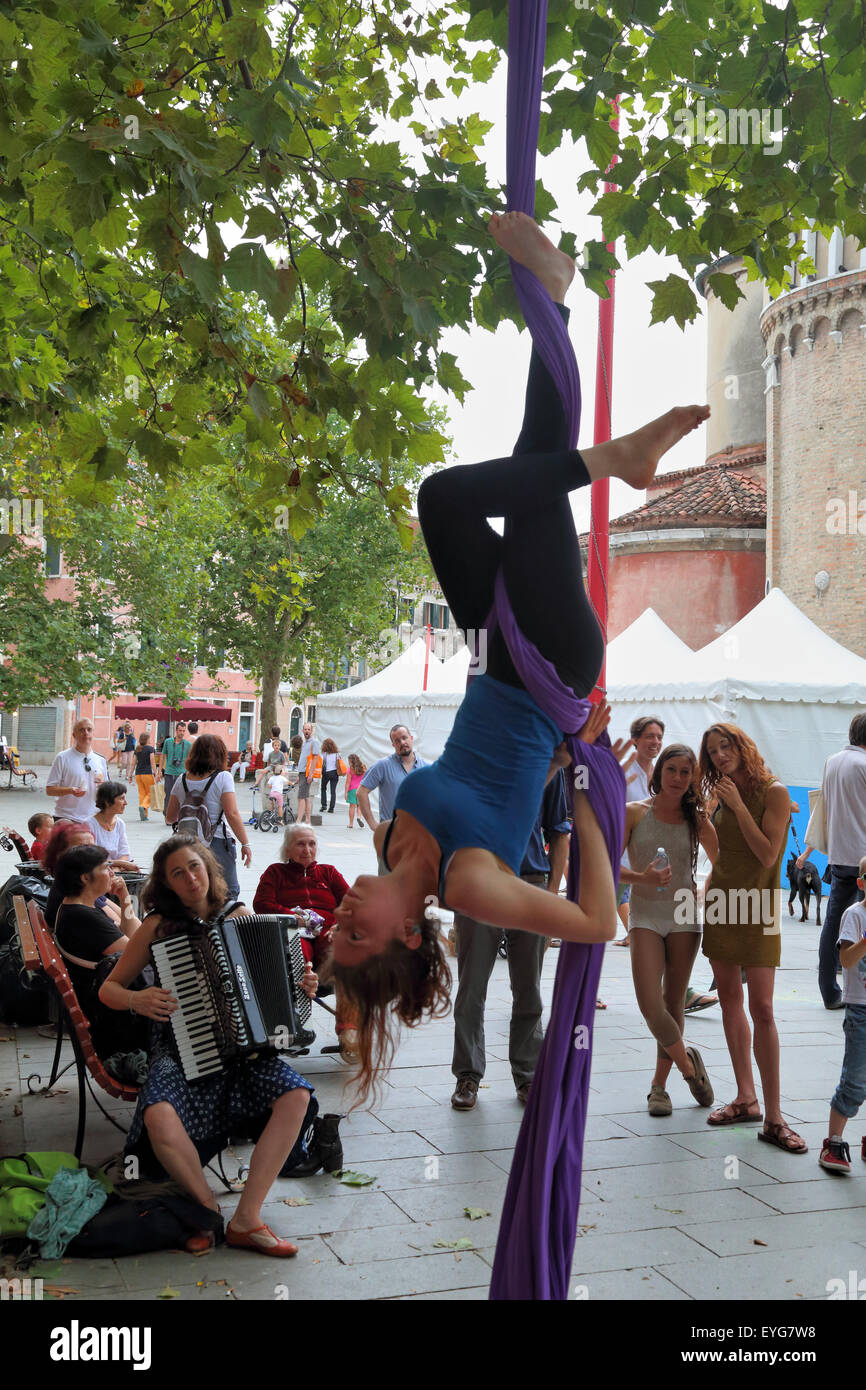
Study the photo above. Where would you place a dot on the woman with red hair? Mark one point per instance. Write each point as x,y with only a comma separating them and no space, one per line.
68,834
742,919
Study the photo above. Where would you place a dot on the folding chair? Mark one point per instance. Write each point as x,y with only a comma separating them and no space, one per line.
73,1020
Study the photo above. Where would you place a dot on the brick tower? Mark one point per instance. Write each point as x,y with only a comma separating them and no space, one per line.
815,388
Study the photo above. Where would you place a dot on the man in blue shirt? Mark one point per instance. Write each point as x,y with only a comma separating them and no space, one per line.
387,774
477,945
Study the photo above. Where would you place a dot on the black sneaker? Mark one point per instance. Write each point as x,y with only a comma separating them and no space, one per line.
835,1155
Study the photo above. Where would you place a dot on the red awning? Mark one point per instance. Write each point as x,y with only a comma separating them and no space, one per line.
149,709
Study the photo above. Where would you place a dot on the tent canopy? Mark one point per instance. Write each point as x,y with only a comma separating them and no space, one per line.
151,709
401,682
645,653
776,653
776,674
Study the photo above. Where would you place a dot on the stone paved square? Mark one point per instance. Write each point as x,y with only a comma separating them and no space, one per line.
670,1210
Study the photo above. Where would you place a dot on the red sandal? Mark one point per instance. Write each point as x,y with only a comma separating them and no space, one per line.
246,1240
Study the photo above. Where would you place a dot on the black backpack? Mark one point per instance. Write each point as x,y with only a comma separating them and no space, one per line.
25,998
34,883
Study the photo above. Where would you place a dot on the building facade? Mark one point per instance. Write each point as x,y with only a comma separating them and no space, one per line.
781,498
815,385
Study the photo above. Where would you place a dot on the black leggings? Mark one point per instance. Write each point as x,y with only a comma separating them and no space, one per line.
539,552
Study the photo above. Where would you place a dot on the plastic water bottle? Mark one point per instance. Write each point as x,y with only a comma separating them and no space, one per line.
661,861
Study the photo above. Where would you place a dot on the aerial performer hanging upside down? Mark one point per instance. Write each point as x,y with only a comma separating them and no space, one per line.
461,825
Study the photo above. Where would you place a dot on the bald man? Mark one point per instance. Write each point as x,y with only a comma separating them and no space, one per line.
75,774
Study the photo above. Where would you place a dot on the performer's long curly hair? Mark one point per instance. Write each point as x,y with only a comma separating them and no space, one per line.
691,801
756,770
401,985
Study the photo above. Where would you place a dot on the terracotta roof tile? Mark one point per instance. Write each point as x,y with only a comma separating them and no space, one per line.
718,495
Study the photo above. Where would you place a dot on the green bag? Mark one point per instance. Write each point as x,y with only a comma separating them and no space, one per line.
23,1183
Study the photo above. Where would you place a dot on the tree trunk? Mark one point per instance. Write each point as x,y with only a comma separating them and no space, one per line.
272,670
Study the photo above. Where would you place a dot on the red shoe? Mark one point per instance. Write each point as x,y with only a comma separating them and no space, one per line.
252,1240
835,1155
200,1243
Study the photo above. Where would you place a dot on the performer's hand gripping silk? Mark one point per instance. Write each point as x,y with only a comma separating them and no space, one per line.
461,825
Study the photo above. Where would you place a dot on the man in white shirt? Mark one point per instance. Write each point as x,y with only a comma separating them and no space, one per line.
75,774
310,745
844,788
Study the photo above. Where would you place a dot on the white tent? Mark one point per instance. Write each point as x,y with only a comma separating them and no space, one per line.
359,719
646,665
776,674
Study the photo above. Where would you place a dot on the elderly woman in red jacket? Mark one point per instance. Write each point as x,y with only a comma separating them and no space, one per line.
300,882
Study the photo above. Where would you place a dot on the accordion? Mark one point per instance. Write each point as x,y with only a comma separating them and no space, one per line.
238,988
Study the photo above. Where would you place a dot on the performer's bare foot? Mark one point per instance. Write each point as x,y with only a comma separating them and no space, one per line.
523,239
635,457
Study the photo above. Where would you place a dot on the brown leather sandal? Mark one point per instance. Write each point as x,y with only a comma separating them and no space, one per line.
736,1112
781,1135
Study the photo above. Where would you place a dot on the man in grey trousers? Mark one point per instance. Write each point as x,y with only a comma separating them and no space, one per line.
477,945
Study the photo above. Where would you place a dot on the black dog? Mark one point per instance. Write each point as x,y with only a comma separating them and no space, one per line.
803,882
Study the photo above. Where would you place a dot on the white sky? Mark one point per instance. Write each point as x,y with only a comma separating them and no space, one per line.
653,367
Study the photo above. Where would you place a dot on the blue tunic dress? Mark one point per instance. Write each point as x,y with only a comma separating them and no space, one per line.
485,790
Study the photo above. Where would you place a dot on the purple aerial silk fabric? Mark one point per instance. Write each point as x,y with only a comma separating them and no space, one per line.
539,1220
527,27
535,1247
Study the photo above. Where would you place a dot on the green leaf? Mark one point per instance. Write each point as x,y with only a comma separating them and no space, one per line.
83,436
263,221
168,1292
202,274
195,332
248,269
464,1243
673,298
475,1213
353,1179
725,288
602,143
200,455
